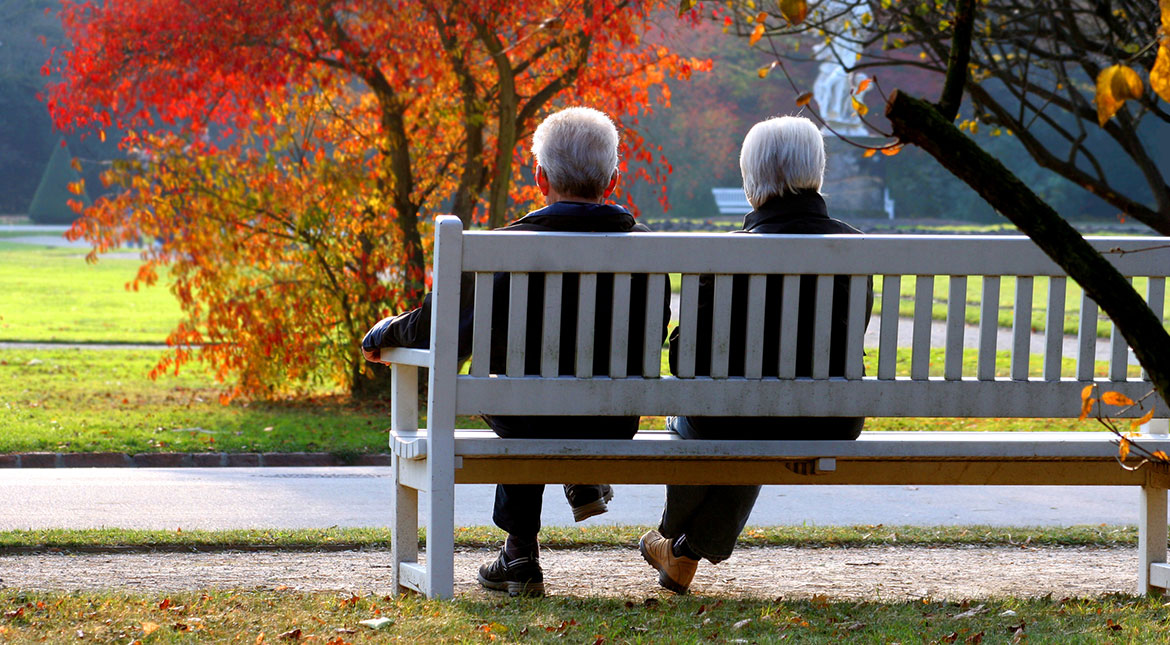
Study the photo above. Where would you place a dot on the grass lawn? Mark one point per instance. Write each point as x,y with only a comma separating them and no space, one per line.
560,537
335,618
51,294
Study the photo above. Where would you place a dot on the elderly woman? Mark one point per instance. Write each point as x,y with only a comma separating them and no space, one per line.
783,165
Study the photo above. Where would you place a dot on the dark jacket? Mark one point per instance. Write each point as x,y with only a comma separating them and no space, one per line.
412,329
802,212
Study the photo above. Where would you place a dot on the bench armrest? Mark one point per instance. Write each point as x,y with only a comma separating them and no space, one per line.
407,356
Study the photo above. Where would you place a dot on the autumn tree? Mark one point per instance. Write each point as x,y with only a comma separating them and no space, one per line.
1106,77
284,157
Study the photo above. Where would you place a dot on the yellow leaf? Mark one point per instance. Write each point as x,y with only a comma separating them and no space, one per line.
757,34
1123,448
1160,74
869,152
763,71
1158,454
1165,4
859,106
1086,392
862,86
794,11
803,99
102,135
149,628
1145,419
891,151
1116,398
1115,85
1087,407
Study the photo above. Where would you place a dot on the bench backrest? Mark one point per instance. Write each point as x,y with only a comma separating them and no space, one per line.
995,276
730,201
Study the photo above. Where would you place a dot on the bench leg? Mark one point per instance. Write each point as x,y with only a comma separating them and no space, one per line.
1152,535
404,534
441,527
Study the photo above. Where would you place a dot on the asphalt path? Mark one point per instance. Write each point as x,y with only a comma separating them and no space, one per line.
231,498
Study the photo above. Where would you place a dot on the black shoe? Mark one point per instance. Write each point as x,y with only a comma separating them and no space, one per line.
588,500
519,577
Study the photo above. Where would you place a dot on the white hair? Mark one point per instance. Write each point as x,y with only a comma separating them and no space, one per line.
577,148
781,155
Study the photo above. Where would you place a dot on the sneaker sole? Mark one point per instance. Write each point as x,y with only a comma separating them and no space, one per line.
663,579
596,507
513,588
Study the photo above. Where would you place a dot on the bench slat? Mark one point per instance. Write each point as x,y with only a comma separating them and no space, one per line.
920,345
721,327
1054,329
481,328
888,342
472,443
586,311
619,326
753,359
517,323
687,324
1118,351
1022,329
652,347
550,340
854,345
828,254
900,397
1087,338
822,327
1155,295
956,327
789,323
988,328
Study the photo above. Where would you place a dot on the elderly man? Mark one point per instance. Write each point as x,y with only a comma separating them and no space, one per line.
576,153
783,164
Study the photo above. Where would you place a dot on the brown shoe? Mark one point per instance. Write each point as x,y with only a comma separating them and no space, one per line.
674,572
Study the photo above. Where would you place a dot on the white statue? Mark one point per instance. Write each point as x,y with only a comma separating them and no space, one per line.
835,87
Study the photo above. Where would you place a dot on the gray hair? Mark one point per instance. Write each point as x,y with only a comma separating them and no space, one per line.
577,148
781,155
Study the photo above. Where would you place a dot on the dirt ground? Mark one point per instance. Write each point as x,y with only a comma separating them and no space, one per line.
871,573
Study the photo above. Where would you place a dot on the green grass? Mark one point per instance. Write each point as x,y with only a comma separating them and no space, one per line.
280,615
51,294
71,400
556,537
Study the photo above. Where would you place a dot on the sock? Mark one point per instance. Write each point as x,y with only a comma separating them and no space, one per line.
517,547
681,549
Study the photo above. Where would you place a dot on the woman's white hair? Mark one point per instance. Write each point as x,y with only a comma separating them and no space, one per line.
781,155
578,150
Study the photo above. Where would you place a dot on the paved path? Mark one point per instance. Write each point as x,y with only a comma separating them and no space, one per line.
226,498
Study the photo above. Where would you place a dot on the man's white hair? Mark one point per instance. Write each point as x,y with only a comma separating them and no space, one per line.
781,155
578,150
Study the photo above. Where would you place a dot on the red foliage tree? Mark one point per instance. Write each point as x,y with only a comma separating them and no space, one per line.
284,155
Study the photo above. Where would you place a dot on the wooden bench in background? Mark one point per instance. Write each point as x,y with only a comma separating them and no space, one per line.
435,459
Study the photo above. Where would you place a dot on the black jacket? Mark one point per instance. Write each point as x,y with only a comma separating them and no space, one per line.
412,329
802,212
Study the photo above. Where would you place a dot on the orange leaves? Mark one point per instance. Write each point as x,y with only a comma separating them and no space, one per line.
794,11
1116,398
763,71
1116,84
1160,73
804,99
1087,401
757,33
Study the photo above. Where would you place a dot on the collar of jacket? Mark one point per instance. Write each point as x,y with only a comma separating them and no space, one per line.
579,216
803,203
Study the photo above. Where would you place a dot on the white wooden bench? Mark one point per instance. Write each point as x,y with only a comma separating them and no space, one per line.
435,461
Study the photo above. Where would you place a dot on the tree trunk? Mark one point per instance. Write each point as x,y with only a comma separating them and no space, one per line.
916,121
